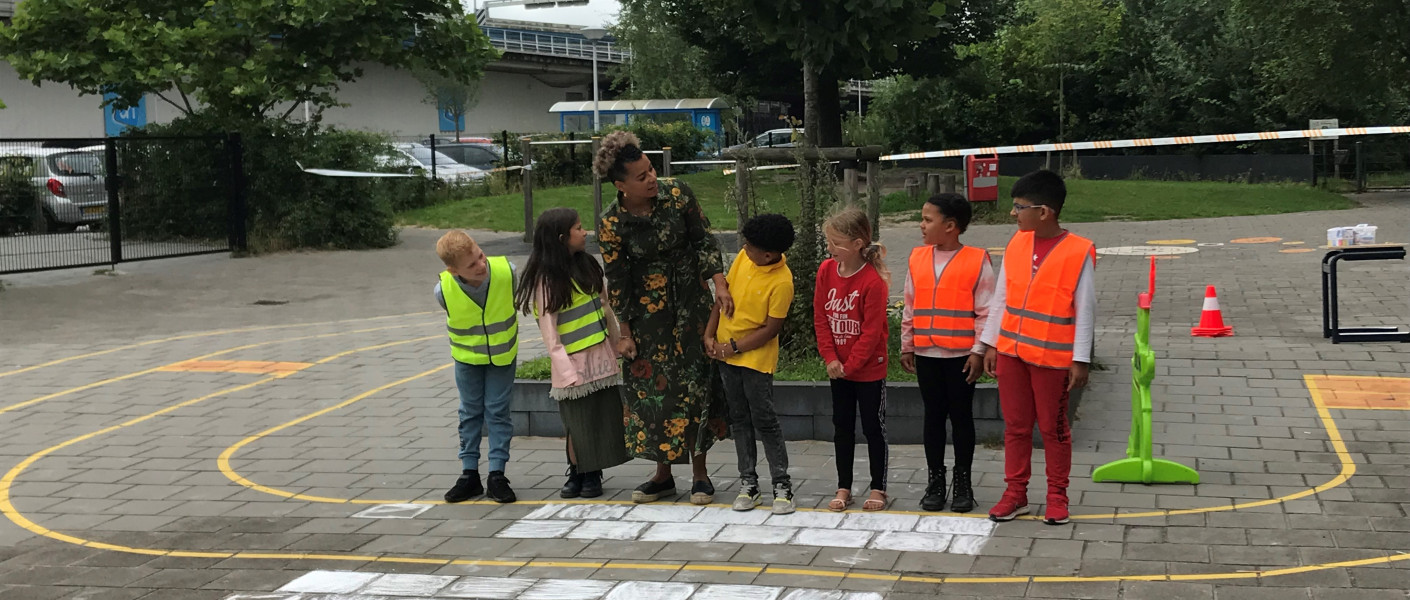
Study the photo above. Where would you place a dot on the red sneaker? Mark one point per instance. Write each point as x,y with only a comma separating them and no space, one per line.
1010,506
1056,513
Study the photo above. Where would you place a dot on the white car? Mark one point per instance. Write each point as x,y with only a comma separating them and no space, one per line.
773,138
447,169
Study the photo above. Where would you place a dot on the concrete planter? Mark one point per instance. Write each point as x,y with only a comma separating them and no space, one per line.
804,409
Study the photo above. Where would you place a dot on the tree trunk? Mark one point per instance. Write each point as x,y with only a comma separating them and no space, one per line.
822,114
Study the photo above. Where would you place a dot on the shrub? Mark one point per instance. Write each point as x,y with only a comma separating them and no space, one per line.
18,202
178,188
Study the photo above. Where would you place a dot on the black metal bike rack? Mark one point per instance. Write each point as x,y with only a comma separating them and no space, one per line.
1330,327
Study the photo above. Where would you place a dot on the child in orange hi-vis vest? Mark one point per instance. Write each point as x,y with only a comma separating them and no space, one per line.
947,293
1038,340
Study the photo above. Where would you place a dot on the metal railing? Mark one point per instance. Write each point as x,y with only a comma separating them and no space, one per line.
553,44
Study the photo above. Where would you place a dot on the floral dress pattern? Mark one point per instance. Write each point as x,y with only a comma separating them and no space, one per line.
658,271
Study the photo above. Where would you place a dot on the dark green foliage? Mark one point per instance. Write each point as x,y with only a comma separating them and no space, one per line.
178,189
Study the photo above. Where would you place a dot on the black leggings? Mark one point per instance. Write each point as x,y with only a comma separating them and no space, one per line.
945,392
870,398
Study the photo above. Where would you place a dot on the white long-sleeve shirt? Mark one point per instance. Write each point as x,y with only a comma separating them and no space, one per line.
983,293
1085,298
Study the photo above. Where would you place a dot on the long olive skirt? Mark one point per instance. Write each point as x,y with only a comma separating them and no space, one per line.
594,424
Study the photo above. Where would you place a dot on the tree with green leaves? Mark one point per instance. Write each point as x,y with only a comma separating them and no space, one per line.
451,97
237,59
844,39
662,64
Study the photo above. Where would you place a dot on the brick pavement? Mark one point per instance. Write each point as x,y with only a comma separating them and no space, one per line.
132,481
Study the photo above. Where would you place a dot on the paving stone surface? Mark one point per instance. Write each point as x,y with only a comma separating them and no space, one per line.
309,445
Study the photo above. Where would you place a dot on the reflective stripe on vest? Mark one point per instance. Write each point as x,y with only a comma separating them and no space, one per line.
583,324
488,335
943,314
1039,325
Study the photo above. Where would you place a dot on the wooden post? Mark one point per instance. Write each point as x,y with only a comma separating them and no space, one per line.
913,190
849,185
949,186
741,186
932,184
527,150
596,186
666,161
874,197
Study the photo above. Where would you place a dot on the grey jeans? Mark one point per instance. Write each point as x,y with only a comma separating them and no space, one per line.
751,407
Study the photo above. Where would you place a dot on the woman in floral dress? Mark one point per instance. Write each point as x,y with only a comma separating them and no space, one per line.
660,257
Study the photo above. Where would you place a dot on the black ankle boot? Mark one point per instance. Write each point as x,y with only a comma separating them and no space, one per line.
574,487
592,484
934,499
964,494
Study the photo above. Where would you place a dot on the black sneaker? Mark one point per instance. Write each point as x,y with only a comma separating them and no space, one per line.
702,493
592,484
934,498
574,486
499,488
652,491
465,488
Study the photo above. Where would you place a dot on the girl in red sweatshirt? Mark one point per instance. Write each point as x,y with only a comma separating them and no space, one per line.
849,318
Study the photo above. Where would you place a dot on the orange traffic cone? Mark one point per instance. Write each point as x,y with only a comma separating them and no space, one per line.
1211,322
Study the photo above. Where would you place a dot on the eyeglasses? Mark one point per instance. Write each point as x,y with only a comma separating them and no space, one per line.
1020,207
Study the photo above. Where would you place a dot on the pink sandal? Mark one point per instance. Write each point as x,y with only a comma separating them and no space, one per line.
876,501
842,501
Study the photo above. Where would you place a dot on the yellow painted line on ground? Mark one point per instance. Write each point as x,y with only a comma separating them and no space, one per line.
1348,469
1256,240
190,336
136,374
249,367
7,507
1170,242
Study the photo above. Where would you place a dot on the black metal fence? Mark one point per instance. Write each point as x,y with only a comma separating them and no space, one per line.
67,203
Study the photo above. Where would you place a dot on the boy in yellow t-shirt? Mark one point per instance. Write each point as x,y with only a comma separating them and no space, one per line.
747,343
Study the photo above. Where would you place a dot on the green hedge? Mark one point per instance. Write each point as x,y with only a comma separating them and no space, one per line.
18,201
177,189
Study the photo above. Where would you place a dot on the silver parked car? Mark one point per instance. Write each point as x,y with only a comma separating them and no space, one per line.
70,183
447,168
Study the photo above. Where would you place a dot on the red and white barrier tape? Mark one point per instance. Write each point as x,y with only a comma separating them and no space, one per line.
1294,134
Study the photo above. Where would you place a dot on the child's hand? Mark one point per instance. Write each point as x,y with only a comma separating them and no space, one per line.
712,349
834,370
1077,376
991,362
908,361
973,367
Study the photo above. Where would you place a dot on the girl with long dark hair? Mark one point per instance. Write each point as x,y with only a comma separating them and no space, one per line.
562,287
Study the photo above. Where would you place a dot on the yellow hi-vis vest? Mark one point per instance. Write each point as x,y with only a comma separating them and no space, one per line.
488,335
582,324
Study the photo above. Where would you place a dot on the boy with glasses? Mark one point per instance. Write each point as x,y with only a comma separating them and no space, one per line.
1038,340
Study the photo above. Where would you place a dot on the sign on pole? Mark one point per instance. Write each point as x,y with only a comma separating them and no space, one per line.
1323,124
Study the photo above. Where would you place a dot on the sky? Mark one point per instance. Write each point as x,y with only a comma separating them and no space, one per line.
597,13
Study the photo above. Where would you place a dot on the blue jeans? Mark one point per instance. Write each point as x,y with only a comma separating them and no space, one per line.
485,391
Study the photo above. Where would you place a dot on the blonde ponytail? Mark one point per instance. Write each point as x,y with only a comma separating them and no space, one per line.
853,224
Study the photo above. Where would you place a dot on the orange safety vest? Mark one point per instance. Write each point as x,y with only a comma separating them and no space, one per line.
1040,317
944,305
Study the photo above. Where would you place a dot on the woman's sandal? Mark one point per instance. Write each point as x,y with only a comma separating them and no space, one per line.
842,501
876,501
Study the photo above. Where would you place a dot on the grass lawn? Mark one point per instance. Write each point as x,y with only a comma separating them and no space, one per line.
1141,200
1087,200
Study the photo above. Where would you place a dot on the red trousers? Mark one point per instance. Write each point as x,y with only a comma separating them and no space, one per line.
1029,394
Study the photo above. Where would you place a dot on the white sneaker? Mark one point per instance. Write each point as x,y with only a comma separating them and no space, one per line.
783,499
748,498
